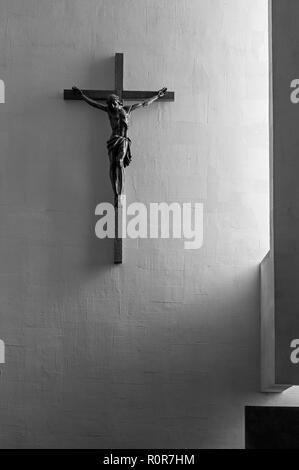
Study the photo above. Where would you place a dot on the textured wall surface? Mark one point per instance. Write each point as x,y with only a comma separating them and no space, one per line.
164,350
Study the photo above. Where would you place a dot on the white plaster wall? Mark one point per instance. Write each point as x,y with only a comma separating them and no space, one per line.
164,350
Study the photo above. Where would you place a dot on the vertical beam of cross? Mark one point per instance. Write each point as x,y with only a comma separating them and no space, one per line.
118,240
119,74
119,226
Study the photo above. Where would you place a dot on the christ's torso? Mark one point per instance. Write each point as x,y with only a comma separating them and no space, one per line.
119,121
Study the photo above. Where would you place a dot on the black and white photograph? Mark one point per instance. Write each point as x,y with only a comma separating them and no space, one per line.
149,231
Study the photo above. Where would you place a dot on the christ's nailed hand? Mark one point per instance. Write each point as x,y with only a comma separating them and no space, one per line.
162,92
76,90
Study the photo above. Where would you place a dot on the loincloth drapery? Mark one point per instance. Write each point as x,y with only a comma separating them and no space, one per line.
118,144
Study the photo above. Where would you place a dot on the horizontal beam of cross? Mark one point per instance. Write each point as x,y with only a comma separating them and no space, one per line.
126,95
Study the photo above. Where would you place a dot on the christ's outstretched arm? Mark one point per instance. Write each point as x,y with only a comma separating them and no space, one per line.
149,101
90,101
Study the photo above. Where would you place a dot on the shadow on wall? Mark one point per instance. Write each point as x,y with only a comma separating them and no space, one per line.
99,252
179,382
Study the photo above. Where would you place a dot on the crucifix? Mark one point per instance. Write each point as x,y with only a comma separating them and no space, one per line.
119,144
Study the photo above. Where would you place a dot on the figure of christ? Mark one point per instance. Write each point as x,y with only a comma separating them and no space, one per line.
119,144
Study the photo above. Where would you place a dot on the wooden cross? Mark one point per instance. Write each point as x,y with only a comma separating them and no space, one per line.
127,96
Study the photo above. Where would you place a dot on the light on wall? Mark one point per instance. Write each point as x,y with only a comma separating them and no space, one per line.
2,91
2,352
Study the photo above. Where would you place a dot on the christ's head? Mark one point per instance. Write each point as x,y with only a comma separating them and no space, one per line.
113,102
